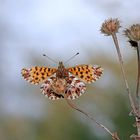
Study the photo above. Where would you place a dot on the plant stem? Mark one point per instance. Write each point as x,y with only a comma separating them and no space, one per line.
123,73
114,135
138,98
138,58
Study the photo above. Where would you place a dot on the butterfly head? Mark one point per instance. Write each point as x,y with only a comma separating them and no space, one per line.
61,72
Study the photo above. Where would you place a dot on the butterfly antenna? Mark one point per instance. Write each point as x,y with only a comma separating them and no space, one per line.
50,58
72,57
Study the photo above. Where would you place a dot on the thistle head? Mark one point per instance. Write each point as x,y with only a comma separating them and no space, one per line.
133,32
110,26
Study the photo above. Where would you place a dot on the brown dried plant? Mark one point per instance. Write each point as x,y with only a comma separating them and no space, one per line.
133,34
110,27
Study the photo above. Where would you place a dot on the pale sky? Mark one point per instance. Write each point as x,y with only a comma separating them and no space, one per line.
59,28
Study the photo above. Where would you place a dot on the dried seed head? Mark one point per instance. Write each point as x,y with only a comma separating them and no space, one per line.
133,33
110,26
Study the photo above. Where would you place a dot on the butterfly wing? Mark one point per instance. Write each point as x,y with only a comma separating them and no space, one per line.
47,90
73,89
36,74
87,73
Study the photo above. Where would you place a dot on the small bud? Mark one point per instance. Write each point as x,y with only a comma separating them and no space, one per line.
133,33
110,26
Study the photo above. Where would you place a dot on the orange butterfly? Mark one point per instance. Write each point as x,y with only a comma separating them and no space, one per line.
61,81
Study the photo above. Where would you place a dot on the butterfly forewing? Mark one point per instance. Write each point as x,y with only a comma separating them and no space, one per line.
36,74
87,73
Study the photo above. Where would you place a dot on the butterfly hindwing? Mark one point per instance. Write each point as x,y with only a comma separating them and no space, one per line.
75,88
87,73
36,74
47,90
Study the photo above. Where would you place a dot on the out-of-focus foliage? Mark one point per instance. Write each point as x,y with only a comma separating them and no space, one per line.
106,100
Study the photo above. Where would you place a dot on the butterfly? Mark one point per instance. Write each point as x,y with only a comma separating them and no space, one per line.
62,82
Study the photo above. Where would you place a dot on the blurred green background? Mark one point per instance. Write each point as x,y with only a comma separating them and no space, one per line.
60,29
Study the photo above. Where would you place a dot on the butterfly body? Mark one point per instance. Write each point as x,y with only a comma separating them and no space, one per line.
60,82
62,72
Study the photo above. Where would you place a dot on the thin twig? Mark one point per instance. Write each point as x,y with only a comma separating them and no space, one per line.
138,97
123,73
113,135
138,57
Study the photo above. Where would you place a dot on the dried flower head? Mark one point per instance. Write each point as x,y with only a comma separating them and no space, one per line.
110,26
133,33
